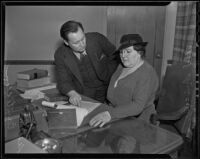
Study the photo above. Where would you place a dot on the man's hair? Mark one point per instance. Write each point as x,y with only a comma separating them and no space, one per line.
141,49
70,27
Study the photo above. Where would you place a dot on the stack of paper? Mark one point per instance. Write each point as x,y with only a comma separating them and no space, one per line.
36,93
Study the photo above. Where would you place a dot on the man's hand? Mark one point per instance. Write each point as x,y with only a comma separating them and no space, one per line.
100,119
74,98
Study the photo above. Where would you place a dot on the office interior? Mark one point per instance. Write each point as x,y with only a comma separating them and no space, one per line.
32,36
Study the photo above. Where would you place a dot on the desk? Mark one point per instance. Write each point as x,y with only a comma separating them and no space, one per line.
150,139
22,145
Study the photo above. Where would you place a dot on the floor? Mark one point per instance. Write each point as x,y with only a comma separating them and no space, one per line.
186,151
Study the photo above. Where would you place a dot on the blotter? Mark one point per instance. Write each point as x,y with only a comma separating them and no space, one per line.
66,116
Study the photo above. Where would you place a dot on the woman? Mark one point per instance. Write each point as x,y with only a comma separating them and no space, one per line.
133,86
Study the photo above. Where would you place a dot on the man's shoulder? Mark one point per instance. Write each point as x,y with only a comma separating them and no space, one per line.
61,49
94,35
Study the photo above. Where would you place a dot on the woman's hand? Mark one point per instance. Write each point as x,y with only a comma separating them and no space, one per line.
74,98
100,119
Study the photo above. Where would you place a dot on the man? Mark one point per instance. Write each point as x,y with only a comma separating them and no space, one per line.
84,63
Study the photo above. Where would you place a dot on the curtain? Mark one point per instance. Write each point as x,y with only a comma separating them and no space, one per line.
185,50
185,33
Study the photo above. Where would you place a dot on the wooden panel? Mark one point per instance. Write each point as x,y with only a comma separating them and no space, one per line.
148,21
160,30
29,62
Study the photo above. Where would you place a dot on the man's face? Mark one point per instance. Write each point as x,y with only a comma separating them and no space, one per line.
77,41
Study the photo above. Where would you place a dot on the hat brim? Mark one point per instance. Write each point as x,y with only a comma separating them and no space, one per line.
123,46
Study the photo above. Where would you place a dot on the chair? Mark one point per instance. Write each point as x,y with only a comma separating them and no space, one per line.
176,104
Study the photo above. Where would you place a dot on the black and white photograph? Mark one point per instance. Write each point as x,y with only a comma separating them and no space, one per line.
99,79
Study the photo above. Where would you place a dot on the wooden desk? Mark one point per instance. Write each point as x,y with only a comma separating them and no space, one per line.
22,145
150,138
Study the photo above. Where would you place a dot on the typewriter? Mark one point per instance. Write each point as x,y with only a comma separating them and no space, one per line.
15,108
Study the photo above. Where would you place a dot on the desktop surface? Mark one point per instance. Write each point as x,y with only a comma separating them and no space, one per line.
129,135
147,138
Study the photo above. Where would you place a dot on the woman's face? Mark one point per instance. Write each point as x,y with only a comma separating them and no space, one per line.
129,56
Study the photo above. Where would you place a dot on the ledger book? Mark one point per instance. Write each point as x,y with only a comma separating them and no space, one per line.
32,74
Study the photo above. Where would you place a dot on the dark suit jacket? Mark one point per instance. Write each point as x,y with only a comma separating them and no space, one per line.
102,55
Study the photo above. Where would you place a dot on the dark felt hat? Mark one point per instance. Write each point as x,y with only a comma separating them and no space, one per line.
131,40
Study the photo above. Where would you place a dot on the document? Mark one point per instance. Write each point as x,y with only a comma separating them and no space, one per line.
90,106
36,93
33,95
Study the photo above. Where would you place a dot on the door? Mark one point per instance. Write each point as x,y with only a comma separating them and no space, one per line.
148,21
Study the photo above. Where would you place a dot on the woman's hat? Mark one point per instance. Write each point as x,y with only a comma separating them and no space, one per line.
130,40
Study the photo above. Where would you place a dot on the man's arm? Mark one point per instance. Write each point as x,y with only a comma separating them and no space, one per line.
107,47
63,77
109,59
65,80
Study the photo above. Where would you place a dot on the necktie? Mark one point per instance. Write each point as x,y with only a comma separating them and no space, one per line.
81,56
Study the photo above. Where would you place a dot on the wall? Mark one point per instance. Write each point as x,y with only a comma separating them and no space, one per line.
170,23
32,32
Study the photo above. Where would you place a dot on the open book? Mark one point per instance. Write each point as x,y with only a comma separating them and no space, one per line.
69,114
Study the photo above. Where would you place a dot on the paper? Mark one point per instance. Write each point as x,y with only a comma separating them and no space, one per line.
41,88
34,95
61,102
90,106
